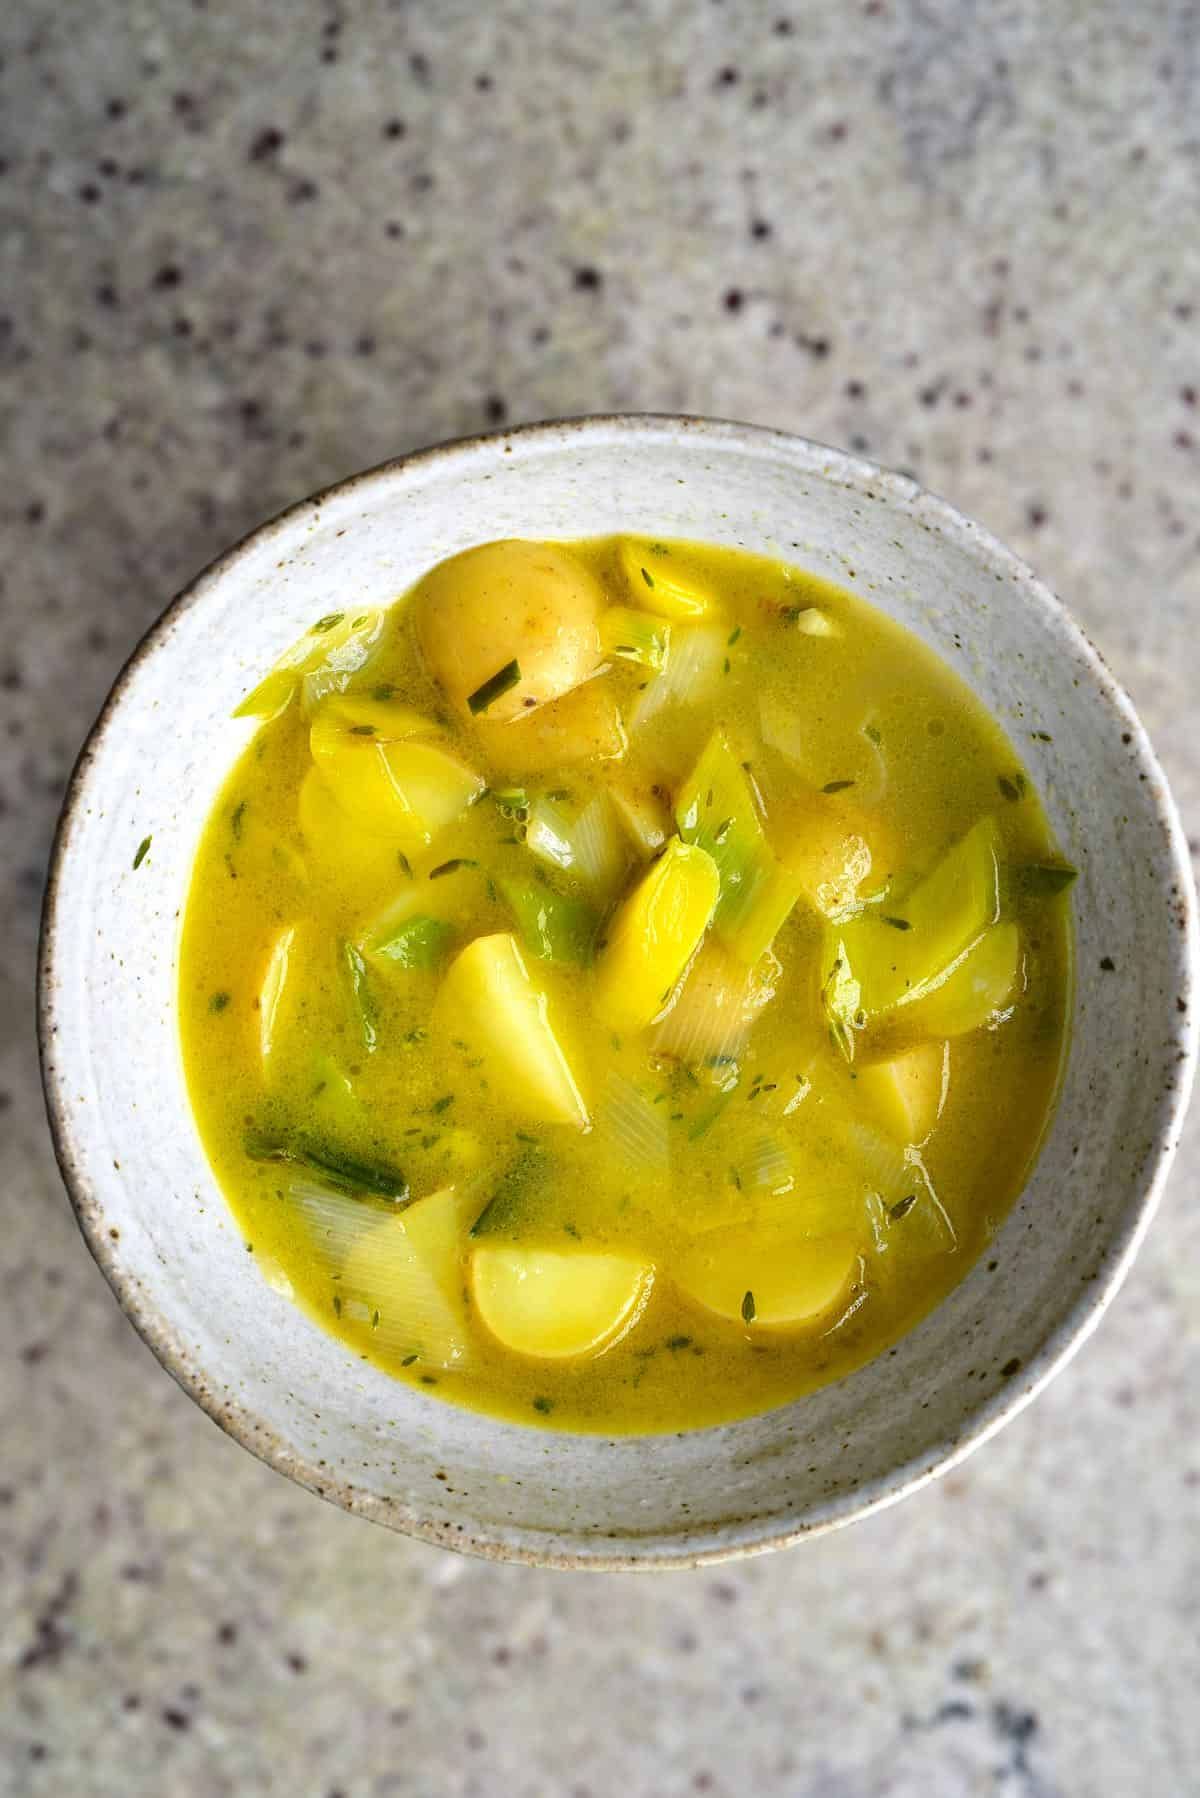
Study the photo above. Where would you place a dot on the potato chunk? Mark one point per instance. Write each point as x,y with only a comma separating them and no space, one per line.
744,1276
386,774
557,1303
531,604
489,1000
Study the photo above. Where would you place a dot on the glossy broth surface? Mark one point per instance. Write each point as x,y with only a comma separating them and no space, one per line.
633,1011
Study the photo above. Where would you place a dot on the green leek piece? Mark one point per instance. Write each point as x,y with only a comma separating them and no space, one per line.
417,942
553,926
716,809
635,636
883,961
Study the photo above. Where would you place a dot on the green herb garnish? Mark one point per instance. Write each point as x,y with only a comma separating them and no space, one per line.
1013,789
236,819
218,1002
455,862
544,1405
515,1192
495,687
359,982
647,577
336,1167
327,623
143,850
836,786
418,942
896,923
748,1311
902,1207
1041,880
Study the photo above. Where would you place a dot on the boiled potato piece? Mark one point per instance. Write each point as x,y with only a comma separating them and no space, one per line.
339,847
643,811
585,724
557,1303
766,1283
663,583
490,1001
437,1229
840,853
385,773
654,935
978,988
528,603
907,1093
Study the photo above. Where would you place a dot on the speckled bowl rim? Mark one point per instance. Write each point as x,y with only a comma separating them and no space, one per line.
1183,1027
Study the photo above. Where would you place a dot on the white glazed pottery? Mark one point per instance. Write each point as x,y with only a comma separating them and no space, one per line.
159,1227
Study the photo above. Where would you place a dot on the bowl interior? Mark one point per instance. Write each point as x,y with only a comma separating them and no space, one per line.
159,1225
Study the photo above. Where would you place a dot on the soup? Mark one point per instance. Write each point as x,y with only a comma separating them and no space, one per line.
624,984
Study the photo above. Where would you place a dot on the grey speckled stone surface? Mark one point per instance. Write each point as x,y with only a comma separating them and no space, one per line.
245,251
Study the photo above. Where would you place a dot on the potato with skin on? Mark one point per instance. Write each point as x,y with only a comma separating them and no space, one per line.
532,604
584,725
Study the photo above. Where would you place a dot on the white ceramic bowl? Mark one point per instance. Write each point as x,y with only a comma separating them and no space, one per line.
132,1161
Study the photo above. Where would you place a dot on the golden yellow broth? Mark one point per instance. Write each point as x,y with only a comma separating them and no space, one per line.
947,765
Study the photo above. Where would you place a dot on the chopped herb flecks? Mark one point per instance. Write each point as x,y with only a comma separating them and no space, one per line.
1041,880
1012,789
902,1206
450,867
544,1405
836,786
647,577
748,1311
896,923
495,687
327,623
143,850
218,1002
236,819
